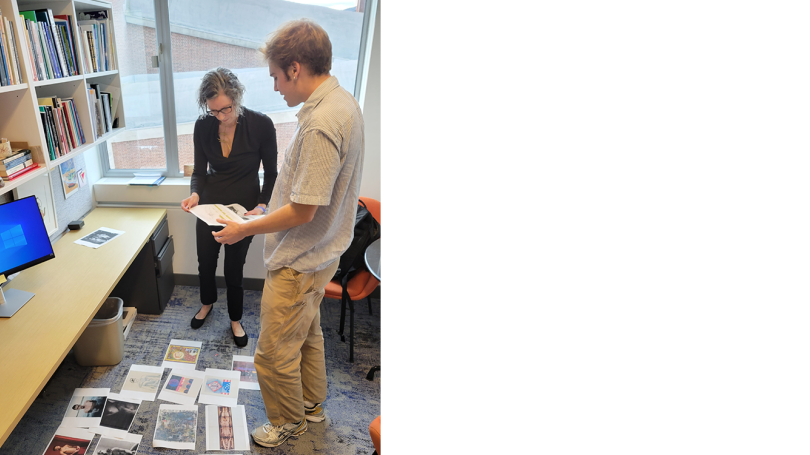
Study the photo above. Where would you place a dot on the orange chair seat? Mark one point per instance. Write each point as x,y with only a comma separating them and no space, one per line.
360,286
375,432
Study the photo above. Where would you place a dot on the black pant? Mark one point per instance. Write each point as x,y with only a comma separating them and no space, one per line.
207,256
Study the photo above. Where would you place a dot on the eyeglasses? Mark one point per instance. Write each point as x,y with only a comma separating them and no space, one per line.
224,110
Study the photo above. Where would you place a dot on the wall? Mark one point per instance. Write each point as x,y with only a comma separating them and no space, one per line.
370,186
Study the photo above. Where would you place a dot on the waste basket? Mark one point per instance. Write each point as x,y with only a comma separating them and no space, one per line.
102,342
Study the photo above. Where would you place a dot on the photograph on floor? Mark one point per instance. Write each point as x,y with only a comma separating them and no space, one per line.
114,446
220,387
182,354
85,407
142,382
182,387
226,428
248,379
176,427
119,412
69,441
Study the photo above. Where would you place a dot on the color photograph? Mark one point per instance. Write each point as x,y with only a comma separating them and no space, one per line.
69,441
248,378
70,179
176,427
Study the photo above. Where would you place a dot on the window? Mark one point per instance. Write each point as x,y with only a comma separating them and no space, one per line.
194,36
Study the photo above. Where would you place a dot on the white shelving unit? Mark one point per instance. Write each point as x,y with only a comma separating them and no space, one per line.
19,112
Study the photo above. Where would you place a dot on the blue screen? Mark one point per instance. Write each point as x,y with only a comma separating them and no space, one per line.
24,240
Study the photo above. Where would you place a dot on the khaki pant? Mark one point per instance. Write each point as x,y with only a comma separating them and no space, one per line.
289,354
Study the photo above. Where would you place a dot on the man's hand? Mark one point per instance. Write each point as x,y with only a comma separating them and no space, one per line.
230,234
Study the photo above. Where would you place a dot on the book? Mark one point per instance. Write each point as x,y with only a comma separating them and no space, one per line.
91,47
15,169
91,98
147,179
5,48
4,80
44,120
16,161
65,21
105,101
232,212
17,69
57,43
18,174
32,48
15,155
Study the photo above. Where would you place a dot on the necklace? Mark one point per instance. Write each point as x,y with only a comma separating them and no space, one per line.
226,138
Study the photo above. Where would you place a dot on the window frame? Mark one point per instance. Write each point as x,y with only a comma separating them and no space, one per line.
163,32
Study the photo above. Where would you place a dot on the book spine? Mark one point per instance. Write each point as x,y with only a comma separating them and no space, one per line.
15,156
11,30
32,53
92,50
77,121
60,51
4,45
44,120
54,59
4,80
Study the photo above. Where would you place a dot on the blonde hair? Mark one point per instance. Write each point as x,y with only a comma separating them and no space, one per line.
301,41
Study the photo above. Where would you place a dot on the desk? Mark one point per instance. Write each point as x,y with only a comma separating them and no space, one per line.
69,290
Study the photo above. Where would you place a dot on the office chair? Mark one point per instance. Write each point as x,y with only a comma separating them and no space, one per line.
355,286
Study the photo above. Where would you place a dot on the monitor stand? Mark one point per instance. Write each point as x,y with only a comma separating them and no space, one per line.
12,300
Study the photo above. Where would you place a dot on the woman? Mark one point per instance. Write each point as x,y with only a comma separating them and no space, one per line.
229,143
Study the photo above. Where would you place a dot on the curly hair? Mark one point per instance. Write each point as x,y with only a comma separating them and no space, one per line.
220,80
301,41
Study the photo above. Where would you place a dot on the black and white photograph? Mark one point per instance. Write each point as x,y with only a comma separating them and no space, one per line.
99,237
119,412
113,446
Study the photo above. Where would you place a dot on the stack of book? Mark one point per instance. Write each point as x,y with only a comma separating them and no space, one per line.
63,130
51,44
103,109
19,163
97,40
10,73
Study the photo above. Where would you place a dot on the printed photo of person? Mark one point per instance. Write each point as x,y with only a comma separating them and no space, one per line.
110,446
63,445
86,407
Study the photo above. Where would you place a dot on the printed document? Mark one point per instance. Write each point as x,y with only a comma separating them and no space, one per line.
232,212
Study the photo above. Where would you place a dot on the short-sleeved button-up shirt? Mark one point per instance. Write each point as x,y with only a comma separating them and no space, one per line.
322,166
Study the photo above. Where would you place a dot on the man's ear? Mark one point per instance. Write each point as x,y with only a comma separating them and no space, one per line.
295,70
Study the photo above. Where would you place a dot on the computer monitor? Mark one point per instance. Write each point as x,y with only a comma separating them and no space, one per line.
24,243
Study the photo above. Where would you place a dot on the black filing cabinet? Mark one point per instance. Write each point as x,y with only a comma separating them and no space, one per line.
148,283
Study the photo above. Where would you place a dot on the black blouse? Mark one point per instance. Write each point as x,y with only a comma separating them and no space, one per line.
235,179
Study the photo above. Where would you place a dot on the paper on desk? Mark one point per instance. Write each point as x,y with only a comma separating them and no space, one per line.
99,237
232,212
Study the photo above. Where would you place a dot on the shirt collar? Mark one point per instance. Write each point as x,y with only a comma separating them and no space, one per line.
317,96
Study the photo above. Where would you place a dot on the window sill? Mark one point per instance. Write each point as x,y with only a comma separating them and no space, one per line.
117,191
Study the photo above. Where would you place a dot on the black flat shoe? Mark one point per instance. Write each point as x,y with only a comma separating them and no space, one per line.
240,341
197,323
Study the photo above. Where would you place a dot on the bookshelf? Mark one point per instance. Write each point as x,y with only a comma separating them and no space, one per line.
19,106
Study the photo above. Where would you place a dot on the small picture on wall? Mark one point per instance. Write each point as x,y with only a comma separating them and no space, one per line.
70,178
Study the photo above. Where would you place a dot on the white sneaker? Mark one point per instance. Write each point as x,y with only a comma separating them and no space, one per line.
269,435
314,412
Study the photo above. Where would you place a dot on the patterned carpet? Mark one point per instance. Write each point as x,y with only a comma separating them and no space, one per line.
352,403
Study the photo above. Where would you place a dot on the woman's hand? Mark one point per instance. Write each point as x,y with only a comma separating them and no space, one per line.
260,209
190,202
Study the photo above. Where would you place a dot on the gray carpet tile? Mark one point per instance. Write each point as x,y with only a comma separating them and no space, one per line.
352,402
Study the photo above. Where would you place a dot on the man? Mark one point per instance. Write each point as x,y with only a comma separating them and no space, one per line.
310,223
